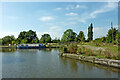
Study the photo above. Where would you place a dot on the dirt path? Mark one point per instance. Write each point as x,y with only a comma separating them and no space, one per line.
93,47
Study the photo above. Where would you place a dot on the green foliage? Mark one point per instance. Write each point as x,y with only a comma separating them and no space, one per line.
90,32
0,41
76,39
48,40
7,40
68,36
56,40
109,36
112,35
103,39
45,38
63,49
27,37
23,41
81,36
118,37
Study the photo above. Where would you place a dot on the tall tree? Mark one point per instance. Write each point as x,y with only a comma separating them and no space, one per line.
81,36
111,36
68,36
90,32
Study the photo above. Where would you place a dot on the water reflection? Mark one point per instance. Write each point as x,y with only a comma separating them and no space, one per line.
63,60
73,66
8,50
46,49
28,62
11,60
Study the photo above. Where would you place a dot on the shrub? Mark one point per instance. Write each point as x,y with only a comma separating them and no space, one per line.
63,49
79,50
72,48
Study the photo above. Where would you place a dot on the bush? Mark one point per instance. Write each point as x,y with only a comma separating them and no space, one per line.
72,48
79,50
63,49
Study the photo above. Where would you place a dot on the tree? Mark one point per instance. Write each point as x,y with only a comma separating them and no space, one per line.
68,36
56,40
48,40
114,34
22,35
7,40
81,36
118,37
36,41
111,36
23,41
90,32
103,39
0,41
76,39
31,36
45,38
27,37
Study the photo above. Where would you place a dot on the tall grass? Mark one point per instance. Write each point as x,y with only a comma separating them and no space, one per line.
74,49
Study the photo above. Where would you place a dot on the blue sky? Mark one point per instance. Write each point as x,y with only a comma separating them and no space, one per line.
55,17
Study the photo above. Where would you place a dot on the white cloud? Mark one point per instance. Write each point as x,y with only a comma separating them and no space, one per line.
3,34
80,19
54,31
109,7
71,7
85,16
80,6
100,32
46,18
71,14
67,8
58,8
77,6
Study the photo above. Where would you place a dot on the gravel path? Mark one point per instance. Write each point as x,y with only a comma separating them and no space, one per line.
93,47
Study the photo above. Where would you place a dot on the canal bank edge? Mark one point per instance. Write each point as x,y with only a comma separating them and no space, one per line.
91,59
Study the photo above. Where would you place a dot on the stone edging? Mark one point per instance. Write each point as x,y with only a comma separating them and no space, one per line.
107,62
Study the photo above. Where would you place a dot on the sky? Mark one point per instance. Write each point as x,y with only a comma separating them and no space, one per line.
56,17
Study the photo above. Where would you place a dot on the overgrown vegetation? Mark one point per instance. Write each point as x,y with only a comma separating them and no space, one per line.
109,52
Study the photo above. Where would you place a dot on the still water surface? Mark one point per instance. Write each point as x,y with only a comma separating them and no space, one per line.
46,63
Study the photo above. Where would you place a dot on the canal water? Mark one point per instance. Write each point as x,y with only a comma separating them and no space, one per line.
46,63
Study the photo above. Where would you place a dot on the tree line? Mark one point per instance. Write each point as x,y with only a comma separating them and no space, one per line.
113,36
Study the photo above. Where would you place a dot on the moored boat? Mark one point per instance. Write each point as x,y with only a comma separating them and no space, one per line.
30,46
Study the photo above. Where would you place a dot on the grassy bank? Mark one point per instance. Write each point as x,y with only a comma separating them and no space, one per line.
99,50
